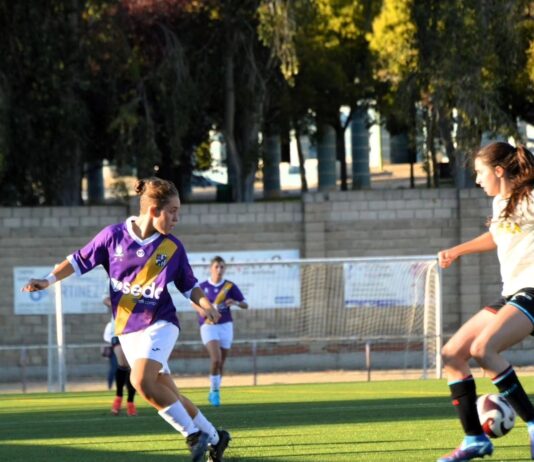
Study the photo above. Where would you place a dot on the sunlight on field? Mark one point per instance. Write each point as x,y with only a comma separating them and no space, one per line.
379,421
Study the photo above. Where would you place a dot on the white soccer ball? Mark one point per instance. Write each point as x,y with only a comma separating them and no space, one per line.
496,415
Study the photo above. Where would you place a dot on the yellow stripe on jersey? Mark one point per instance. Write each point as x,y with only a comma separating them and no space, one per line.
145,277
222,294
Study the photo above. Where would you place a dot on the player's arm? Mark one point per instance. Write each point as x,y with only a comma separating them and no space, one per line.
482,243
61,271
240,304
201,301
235,298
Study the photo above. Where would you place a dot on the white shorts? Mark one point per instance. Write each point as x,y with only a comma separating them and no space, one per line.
156,342
223,333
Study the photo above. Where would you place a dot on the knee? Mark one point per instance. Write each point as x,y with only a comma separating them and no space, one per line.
480,349
449,355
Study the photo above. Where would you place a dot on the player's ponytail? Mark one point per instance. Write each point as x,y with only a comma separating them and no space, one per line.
154,190
518,165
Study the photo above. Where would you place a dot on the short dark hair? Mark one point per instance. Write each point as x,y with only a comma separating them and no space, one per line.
217,259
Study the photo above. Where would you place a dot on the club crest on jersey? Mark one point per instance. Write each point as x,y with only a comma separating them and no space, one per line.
140,253
161,260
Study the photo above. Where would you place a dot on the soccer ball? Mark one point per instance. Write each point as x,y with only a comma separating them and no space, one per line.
496,415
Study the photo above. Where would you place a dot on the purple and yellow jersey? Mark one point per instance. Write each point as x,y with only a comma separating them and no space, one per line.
139,271
217,294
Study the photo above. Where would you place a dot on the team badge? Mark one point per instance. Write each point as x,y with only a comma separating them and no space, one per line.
140,253
161,260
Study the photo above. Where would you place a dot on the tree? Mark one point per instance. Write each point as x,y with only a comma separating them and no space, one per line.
245,91
431,54
334,65
44,116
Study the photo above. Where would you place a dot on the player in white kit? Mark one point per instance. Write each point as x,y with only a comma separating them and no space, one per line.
506,173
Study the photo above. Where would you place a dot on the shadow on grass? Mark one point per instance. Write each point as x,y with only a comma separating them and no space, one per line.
74,431
43,423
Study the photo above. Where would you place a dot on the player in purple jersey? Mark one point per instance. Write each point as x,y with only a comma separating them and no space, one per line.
141,257
218,336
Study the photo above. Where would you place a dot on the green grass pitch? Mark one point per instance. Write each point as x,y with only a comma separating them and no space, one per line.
378,421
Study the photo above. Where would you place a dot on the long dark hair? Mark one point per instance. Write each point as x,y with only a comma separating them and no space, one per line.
518,165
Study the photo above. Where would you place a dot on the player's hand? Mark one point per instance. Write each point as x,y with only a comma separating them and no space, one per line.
446,257
34,285
230,302
212,315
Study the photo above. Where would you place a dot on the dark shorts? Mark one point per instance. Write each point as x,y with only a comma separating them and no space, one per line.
523,300
115,341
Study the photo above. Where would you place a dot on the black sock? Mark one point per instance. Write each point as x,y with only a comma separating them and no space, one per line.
131,389
120,379
464,399
510,387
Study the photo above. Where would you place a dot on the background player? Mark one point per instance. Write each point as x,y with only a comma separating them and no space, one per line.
141,257
218,336
507,174
122,373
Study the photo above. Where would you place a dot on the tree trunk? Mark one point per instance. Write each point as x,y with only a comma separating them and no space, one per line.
432,148
233,162
71,186
341,154
302,168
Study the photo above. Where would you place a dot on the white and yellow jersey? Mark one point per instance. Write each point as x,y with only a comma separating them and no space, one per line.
515,244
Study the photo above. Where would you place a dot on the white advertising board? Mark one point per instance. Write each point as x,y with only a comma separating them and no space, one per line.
381,284
80,294
264,286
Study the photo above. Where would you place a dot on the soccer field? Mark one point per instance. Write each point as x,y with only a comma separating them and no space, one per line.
377,421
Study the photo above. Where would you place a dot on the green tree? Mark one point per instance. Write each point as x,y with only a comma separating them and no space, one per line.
334,65
432,55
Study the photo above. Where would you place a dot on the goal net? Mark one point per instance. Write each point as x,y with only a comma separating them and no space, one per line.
328,313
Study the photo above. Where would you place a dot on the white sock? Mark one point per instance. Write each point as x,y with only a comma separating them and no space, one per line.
215,382
206,426
178,418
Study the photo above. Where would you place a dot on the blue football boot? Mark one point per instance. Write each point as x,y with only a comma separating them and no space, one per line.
467,451
214,398
198,445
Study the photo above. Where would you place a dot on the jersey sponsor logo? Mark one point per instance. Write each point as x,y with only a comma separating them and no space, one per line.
137,290
509,227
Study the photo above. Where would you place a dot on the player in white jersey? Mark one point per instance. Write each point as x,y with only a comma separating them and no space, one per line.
141,258
507,174
218,337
